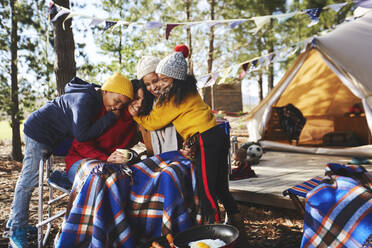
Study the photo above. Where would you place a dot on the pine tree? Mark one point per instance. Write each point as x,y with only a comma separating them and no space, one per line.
64,49
19,42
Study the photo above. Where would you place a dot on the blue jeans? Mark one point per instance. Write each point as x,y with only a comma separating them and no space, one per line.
27,181
72,171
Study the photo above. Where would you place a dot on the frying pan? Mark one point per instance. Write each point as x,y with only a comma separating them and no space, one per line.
226,233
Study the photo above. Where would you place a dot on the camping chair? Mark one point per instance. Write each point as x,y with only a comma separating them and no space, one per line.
300,190
61,150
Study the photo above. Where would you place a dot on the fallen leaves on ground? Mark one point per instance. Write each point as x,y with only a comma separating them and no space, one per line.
266,227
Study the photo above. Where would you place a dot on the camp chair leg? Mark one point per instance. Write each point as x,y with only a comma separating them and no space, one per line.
40,207
297,203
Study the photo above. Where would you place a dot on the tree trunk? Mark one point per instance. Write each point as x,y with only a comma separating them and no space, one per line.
260,72
120,47
260,88
211,50
189,39
64,47
120,42
15,123
270,76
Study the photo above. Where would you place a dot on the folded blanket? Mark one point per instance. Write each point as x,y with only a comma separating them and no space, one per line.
115,207
338,212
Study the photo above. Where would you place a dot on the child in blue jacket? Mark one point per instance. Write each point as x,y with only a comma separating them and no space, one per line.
69,116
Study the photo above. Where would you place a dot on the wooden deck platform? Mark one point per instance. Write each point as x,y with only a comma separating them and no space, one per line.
278,171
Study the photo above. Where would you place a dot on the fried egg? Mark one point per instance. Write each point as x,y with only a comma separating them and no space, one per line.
207,243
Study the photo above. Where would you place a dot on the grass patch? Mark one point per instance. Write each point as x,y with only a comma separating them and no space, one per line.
6,130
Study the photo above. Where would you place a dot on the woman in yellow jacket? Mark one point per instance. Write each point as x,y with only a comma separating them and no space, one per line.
181,105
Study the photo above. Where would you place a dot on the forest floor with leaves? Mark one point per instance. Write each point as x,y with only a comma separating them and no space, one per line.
266,227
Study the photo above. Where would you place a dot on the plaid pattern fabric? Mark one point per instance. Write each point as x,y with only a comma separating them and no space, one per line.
338,213
116,210
303,188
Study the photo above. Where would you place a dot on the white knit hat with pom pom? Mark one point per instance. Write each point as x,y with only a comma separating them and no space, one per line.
174,65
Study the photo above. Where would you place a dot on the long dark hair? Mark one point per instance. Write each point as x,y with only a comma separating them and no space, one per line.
180,89
148,97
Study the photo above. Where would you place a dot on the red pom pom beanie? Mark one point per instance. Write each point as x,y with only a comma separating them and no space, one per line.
174,65
183,49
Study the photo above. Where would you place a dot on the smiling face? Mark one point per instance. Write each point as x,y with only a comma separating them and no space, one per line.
165,83
137,104
114,101
151,82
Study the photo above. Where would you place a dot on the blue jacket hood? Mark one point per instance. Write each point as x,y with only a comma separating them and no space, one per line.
77,85
71,115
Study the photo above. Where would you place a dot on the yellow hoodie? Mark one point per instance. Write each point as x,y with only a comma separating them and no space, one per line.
191,116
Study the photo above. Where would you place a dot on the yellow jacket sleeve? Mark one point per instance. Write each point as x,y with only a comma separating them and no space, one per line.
189,117
159,117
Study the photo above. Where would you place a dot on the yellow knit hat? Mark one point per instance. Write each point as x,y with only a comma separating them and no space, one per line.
118,83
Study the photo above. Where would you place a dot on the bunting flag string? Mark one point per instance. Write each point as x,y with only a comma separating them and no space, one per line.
314,15
247,66
169,29
254,64
259,21
108,25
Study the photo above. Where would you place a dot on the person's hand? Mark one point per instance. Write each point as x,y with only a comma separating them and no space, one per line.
117,158
187,152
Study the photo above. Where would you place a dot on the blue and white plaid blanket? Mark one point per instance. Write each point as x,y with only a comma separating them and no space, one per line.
338,212
113,209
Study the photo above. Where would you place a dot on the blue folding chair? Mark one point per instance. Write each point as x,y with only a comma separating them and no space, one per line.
53,182
300,190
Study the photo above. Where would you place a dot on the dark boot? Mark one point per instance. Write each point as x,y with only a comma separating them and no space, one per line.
237,221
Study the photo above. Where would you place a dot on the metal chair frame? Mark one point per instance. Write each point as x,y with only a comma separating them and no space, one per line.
42,239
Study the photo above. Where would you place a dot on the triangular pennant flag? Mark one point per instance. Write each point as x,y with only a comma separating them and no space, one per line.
337,6
108,24
303,45
153,24
254,63
60,13
358,12
234,70
313,14
313,42
225,74
260,21
270,57
203,80
52,9
293,51
121,23
260,61
96,21
284,17
168,29
213,79
364,4
281,55
244,69
268,60
70,15
236,23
